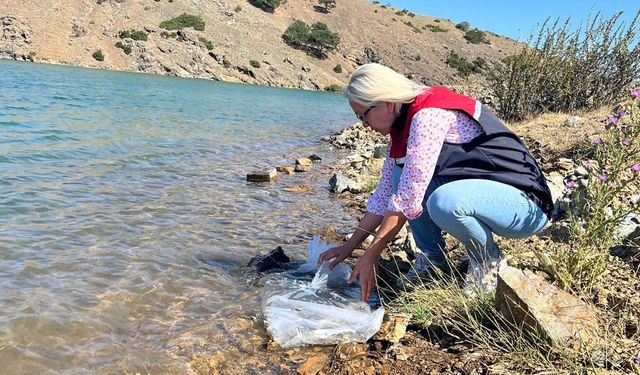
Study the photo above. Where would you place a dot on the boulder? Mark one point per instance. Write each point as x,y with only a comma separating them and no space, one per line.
275,260
303,164
338,183
557,188
529,301
262,176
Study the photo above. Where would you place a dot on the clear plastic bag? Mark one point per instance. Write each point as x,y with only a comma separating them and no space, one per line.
325,311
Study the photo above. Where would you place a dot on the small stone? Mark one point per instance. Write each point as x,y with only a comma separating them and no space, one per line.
298,189
380,151
303,164
313,365
393,328
338,183
314,158
581,171
287,170
566,164
262,176
573,121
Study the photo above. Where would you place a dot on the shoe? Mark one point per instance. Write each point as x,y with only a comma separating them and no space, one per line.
482,277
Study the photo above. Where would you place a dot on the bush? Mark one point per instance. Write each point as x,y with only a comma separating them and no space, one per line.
435,28
206,42
459,63
124,47
564,71
479,64
133,34
98,55
238,9
182,21
267,5
464,26
254,63
167,35
328,4
334,87
226,63
600,202
297,34
338,69
413,27
317,38
476,36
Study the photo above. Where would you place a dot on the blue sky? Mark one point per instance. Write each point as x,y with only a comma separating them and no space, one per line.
514,18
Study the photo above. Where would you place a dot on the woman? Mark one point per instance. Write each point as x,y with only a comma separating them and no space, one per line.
451,166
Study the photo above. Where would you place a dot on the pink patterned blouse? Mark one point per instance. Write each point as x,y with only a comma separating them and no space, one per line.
430,128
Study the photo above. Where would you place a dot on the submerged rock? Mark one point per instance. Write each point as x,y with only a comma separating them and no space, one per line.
275,260
303,164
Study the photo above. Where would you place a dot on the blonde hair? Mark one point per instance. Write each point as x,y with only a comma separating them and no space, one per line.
374,83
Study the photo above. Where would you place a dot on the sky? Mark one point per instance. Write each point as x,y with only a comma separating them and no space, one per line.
514,18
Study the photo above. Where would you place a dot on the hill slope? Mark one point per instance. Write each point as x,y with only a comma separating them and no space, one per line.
68,32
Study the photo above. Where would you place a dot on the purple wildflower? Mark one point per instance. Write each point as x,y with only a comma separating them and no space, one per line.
626,142
602,178
597,141
588,164
635,168
613,120
635,94
620,114
570,185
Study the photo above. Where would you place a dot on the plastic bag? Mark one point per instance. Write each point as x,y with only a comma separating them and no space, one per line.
325,311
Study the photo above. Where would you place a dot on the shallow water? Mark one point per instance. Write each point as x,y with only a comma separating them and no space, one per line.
125,216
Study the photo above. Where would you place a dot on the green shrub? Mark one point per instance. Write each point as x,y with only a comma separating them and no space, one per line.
479,64
476,36
399,13
460,64
267,5
297,34
124,47
338,69
564,71
133,34
238,9
254,63
464,26
226,64
334,87
435,28
98,55
436,20
206,42
31,55
182,21
317,38
167,35
383,6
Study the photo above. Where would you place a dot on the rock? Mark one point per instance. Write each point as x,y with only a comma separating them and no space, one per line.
557,188
303,164
565,164
286,169
77,30
393,328
313,365
276,259
338,183
380,151
314,158
629,229
581,171
262,176
298,189
573,121
530,301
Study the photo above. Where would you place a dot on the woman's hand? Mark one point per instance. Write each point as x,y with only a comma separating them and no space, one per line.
340,253
366,268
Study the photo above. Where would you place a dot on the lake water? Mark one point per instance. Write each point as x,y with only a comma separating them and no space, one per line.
125,217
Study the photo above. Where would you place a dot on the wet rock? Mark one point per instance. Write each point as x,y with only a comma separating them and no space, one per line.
287,170
314,158
338,183
393,328
275,260
262,176
573,121
314,364
303,164
558,316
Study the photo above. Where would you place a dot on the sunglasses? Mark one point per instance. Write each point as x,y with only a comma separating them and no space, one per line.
365,113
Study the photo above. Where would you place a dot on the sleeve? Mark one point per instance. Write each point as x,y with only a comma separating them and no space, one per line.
378,201
429,128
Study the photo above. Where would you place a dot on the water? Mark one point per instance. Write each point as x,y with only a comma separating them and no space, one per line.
125,216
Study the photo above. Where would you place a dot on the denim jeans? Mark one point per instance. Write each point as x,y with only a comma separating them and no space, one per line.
472,211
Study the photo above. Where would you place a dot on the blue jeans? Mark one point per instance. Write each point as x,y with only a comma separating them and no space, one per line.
471,211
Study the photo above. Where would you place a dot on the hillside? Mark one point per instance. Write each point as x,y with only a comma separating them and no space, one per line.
70,31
